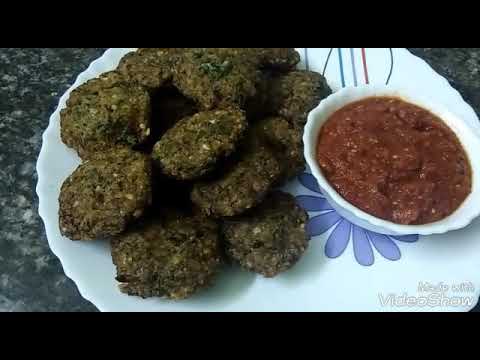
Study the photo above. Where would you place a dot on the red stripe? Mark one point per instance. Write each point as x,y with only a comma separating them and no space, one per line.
365,67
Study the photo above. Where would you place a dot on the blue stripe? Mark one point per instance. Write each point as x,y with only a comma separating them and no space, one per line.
307,61
354,70
342,74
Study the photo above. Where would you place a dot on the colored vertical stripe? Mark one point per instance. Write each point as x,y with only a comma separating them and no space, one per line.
365,66
342,73
307,61
354,70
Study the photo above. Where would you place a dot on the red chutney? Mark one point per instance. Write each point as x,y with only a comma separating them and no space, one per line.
395,160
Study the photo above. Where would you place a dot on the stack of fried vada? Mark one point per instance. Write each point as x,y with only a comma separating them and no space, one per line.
221,128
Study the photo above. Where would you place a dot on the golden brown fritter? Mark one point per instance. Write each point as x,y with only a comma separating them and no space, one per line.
105,194
149,67
290,95
193,147
284,59
173,256
216,78
241,186
105,112
271,238
107,80
286,142
295,94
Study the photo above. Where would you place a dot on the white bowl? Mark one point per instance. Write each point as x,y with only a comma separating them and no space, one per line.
461,218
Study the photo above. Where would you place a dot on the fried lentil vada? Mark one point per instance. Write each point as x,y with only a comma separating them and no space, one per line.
216,78
105,112
286,142
149,67
295,94
278,58
271,238
173,256
192,148
241,186
105,194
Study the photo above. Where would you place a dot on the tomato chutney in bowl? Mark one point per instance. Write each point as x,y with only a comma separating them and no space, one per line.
392,162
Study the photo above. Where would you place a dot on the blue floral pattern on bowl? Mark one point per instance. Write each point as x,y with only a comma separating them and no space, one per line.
343,230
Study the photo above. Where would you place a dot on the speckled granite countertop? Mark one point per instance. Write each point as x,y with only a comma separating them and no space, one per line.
31,82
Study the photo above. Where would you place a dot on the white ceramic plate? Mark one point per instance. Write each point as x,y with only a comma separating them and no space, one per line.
346,268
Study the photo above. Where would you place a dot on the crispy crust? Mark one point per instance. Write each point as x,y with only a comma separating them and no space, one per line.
149,67
216,78
192,148
243,186
103,113
295,94
173,257
286,143
284,59
105,194
271,238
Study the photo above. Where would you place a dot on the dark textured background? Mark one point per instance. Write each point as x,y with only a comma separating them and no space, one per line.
31,82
